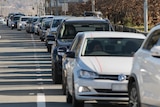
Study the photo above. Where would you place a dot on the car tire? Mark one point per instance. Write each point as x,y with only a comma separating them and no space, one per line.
68,96
55,77
64,80
134,99
75,102
48,49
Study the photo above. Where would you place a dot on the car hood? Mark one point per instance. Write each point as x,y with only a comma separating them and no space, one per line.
107,65
64,42
54,29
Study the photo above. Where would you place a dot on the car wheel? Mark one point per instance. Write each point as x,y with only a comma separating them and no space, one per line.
134,100
63,83
55,76
48,49
75,102
68,96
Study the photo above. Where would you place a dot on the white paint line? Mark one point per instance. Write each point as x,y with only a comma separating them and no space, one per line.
39,79
39,75
40,88
41,100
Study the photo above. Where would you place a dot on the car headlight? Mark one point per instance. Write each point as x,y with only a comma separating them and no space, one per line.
20,24
87,74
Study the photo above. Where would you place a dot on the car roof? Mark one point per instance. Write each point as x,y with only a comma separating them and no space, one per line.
75,19
103,34
47,16
61,17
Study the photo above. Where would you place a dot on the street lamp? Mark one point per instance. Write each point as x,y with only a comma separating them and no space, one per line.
145,15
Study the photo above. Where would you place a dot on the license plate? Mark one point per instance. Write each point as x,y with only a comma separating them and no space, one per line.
119,87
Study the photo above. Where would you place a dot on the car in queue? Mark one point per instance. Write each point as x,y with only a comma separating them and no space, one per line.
43,28
39,22
98,65
52,31
21,23
66,32
14,21
144,80
30,24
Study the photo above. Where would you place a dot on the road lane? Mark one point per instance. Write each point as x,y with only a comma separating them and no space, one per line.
25,73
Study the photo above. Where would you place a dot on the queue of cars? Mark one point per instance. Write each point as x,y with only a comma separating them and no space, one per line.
94,62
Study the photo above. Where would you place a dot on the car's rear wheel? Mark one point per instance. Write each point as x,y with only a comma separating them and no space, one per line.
75,102
134,100
68,96
63,83
55,77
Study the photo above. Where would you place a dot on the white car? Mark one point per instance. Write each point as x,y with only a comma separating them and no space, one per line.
21,23
144,80
98,65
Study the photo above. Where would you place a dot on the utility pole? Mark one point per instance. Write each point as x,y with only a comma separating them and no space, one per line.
146,15
56,7
93,5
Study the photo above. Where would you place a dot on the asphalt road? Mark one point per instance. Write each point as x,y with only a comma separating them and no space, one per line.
25,73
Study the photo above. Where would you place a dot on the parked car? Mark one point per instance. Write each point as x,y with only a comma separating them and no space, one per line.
10,15
30,24
21,24
2,20
14,21
43,28
66,32
49,36
144,80
98,65
39,22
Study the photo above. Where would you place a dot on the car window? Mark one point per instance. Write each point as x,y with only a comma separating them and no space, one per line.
111,46
152,40
76,45
56,22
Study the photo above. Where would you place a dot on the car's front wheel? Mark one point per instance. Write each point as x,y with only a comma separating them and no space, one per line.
75,102
134,100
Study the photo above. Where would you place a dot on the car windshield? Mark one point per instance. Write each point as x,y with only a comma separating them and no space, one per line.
69,30
111,46
56,22
16,18
24,19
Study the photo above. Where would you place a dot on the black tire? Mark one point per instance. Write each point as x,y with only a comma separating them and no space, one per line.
68,96
75,102
64,83
55,77
134,99
49,49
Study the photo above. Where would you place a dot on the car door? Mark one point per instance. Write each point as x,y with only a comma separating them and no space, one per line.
150,70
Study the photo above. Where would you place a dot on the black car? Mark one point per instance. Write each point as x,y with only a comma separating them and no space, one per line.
66,32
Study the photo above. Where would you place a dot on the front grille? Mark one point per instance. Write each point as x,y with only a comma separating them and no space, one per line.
110,77
109,91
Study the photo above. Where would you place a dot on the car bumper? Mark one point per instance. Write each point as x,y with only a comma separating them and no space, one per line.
101,90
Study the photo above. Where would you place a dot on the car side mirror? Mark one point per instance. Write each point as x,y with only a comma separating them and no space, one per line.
155,51
70,54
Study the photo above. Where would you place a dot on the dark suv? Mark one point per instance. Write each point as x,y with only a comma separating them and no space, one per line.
66,32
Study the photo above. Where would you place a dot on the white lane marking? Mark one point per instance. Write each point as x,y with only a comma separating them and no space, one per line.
40,96
41,100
